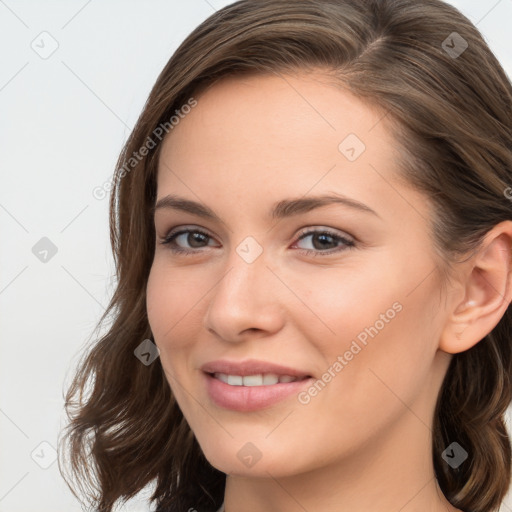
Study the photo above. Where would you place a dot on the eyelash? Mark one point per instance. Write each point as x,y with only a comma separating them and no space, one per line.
349,244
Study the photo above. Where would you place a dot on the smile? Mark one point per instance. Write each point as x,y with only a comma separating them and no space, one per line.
261,379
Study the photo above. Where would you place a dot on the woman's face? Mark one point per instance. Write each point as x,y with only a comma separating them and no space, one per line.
340,294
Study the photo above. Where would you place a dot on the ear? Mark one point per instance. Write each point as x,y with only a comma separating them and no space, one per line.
486,292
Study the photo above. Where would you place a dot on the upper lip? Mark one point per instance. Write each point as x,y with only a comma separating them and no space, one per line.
250,367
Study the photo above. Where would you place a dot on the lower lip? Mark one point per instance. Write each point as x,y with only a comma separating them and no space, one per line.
251,398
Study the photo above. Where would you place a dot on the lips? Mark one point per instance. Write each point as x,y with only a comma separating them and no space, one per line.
252,367
251,385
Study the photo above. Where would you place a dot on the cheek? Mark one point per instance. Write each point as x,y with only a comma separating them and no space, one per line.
350,302
171,306
377,339
173,298
392,373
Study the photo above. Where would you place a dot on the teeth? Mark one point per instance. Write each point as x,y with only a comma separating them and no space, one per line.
235,380
253,380
221,376
261,379
270,378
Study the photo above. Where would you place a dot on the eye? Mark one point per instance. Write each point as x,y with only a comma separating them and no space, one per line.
323,240
196,238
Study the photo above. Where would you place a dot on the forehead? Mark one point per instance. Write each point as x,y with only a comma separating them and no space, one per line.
280,109
265,136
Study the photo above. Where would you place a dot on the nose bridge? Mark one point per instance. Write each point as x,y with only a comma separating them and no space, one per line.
243,298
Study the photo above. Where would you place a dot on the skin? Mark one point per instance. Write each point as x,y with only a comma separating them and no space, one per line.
363,443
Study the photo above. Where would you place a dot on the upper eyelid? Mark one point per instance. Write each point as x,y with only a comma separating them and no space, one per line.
193,227
185,228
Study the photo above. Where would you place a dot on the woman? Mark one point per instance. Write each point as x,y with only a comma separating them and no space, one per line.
312,231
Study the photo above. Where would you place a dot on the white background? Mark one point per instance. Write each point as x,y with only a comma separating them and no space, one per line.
63,122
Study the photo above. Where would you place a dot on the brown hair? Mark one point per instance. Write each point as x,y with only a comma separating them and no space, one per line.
451,107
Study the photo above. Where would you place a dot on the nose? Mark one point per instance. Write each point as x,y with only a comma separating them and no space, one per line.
245,301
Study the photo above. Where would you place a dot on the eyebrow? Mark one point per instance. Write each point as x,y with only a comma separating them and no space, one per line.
281,209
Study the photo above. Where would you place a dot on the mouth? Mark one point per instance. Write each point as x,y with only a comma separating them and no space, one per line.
252,385
252,372
260,379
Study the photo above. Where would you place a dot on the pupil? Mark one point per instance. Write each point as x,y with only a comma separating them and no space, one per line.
323,237
194,237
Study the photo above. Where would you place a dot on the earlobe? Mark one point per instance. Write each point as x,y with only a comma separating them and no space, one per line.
487,292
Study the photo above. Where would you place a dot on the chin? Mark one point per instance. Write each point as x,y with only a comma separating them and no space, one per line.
257,459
